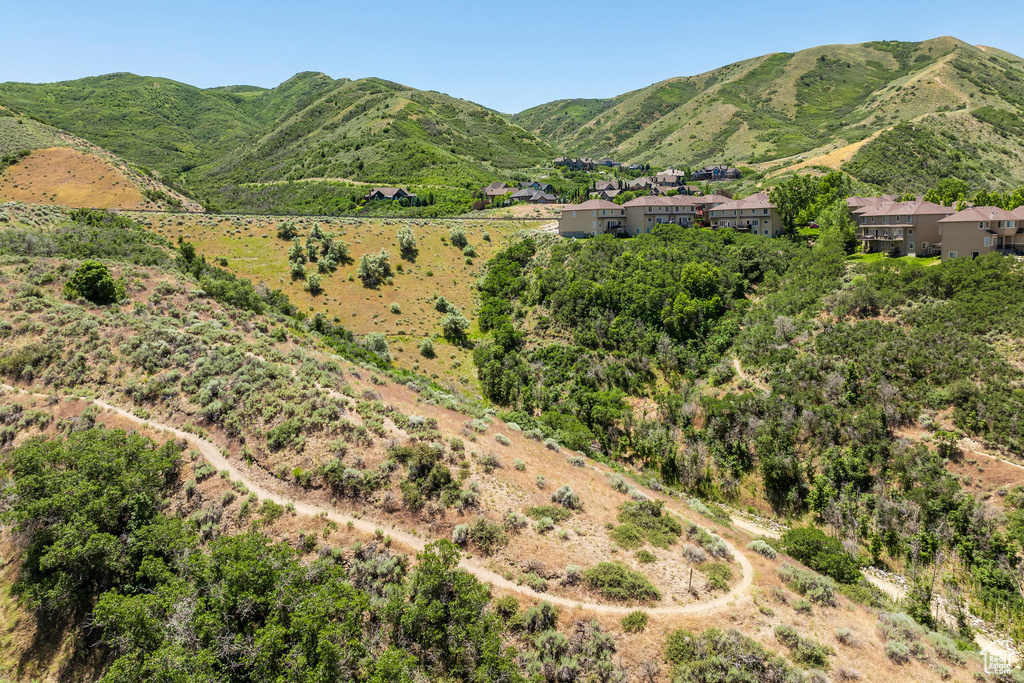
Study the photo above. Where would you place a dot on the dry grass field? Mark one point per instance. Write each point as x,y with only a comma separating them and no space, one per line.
438,268
68,177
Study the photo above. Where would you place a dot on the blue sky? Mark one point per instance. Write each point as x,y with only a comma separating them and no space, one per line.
508,56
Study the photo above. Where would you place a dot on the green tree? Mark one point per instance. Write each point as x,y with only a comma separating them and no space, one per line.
93,282
443,611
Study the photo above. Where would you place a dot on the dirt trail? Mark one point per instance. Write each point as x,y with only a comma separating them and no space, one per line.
898,592
214,456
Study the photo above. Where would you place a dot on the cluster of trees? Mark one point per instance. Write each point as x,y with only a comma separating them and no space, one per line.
669,301
670,308
105,555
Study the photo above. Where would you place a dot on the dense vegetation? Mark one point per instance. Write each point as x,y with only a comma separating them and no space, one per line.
852,355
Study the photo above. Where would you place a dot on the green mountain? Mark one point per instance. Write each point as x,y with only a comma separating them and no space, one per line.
808,103
309,127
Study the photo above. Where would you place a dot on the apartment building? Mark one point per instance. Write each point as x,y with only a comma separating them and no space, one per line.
591,218
644,213
981,230
754,214
900,228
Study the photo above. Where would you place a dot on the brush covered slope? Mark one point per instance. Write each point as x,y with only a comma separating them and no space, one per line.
40,164
304,465
843,394
806,103
310,127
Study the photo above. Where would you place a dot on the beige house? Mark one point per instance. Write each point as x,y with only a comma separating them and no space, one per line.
644,213
755,214
900,228
591,218
980,230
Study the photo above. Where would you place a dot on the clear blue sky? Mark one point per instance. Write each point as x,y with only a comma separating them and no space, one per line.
508,56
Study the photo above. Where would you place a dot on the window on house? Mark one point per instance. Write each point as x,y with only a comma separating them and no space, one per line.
952,254
574,214
988,241
910,245
910,232
756,222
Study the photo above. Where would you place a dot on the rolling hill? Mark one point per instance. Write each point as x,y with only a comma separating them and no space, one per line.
309,127
773,109
40,164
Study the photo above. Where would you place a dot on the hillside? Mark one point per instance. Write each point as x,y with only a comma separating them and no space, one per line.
40,164
805,104
294,512
309,127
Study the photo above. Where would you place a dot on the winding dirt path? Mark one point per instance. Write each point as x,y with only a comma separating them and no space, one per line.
213,455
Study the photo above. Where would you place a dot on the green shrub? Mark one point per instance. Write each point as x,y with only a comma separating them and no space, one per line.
821,553
487,536
897,652
646,557
519,465
567,498
615,581
557,514
506,608
804,650
719,575
93,282
627,535
762,548
715,656
634,622
657,527
818,589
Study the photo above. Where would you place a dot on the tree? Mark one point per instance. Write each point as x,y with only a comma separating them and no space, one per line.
287,230
378,343
836,227
374,268
443,610
454,325
457,236
314,284
93,282
80,500
407,241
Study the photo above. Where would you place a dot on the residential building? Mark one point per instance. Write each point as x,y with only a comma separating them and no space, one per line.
533,196
495,190
581,164
671,176
613,184
611,163
900,228
389,193
754,214
537,185
716,173
980,230
591,218
644,213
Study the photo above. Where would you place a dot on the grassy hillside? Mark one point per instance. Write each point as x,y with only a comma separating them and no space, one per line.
301,496
309,127
807,103
45,165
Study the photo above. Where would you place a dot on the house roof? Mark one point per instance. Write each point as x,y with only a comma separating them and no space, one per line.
655,200
1018,213
712,199
754,201
593,204
978,214
904,209
390,191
